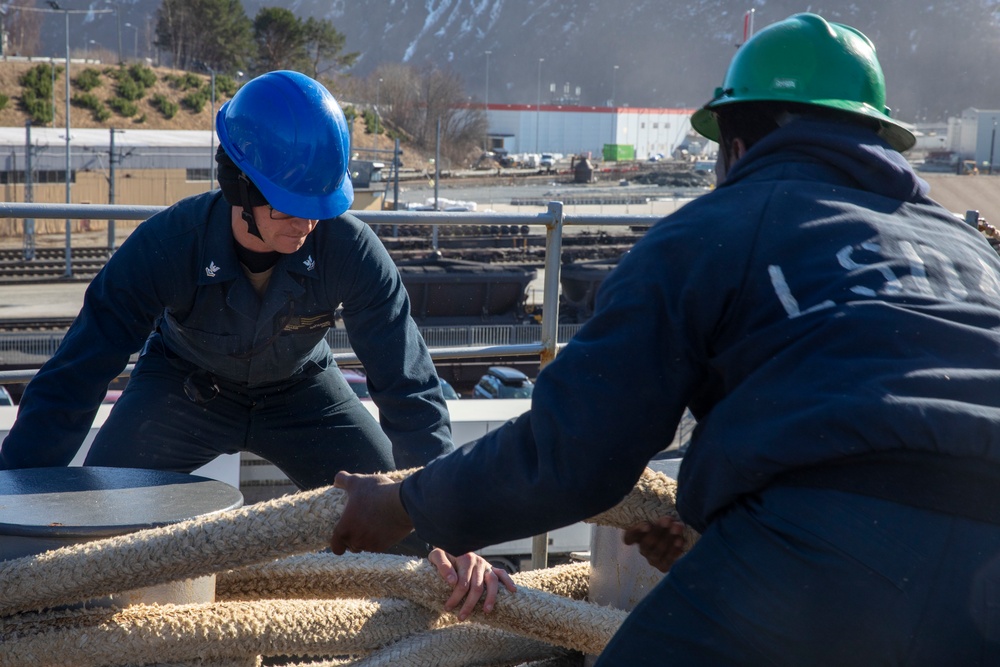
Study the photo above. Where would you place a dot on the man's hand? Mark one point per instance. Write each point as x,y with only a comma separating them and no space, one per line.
470,574
373,519
660,542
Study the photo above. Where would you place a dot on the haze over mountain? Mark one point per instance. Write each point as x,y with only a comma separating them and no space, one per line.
939,58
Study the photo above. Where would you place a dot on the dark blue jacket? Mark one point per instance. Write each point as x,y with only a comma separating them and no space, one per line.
178,272
814,307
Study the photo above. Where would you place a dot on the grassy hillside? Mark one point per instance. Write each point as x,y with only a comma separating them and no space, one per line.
146,115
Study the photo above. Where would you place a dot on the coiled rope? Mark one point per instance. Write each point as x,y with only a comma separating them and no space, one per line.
255,615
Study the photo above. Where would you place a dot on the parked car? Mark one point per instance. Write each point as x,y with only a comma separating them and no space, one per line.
112,396
449,392
503,382
358,382
5,398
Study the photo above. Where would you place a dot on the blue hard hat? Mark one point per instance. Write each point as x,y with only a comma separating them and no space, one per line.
287,133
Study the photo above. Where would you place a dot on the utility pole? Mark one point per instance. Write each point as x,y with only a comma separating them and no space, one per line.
118,27
486,105
113,160
538,102
68,273
993,141
29,194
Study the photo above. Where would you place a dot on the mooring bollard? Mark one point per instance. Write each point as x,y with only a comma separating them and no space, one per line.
42,509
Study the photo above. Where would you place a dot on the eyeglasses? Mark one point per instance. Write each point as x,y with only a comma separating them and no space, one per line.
277,215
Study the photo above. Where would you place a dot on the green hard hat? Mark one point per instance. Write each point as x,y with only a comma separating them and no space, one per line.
807,60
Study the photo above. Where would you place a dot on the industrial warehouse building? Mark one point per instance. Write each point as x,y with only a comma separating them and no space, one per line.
638,132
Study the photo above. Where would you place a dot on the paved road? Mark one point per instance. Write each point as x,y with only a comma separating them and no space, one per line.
42,300
962,193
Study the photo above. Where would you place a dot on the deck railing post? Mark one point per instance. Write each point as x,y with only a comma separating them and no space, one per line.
550,335
550,297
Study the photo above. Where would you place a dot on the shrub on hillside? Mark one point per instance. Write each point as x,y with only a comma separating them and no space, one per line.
187,81
133,81
123,107
370,122
87,80
225,85
142,75
39,78
195,102
129,89
90,101
4,99
164,105
86,100
36,92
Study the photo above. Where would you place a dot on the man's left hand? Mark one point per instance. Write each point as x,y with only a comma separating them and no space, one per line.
470,575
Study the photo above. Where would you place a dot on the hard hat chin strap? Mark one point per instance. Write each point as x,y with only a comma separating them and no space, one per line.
247,213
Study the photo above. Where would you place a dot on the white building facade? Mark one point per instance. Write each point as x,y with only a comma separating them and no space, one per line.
578,130
973,135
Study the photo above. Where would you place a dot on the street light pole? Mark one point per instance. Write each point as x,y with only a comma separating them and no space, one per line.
211,131
538,102
118,28
993,141
614,73
112,161
69,223
135,41
486,105
614,114
211,124
378,91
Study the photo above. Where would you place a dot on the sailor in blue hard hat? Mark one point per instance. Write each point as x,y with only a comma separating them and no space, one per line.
284,143
228,297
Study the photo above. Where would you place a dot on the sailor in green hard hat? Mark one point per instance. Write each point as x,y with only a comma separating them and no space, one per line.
835,332
808,66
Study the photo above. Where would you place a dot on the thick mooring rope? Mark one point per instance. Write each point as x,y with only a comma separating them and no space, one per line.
544,619
654,496
145,633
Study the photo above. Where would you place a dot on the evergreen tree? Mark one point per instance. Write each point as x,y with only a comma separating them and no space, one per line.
324,45
281,40
215,32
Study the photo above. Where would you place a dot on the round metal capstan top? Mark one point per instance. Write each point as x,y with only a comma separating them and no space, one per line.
93,502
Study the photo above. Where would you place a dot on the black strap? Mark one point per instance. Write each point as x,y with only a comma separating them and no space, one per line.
247,213
959,486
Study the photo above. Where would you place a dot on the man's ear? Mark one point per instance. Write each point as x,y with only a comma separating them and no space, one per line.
737,148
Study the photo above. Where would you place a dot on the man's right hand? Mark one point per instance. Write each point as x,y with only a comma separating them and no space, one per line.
374,518
660,542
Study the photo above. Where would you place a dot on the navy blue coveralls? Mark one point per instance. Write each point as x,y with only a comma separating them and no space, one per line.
837,335
223,369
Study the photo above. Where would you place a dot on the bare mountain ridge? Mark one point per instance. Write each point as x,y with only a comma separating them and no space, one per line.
938,58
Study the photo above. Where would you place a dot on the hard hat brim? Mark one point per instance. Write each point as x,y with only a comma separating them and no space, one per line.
901,139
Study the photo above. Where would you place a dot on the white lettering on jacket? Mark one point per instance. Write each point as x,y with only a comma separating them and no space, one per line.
946,283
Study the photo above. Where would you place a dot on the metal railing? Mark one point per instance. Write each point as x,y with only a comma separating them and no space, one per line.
446,342
554,219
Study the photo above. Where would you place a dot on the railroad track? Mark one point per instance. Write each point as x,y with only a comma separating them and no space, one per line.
500,245
35,325
49,264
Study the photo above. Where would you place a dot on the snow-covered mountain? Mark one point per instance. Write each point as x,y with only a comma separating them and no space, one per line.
939,57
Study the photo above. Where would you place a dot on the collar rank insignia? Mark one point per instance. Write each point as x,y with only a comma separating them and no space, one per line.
211,270
309,263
